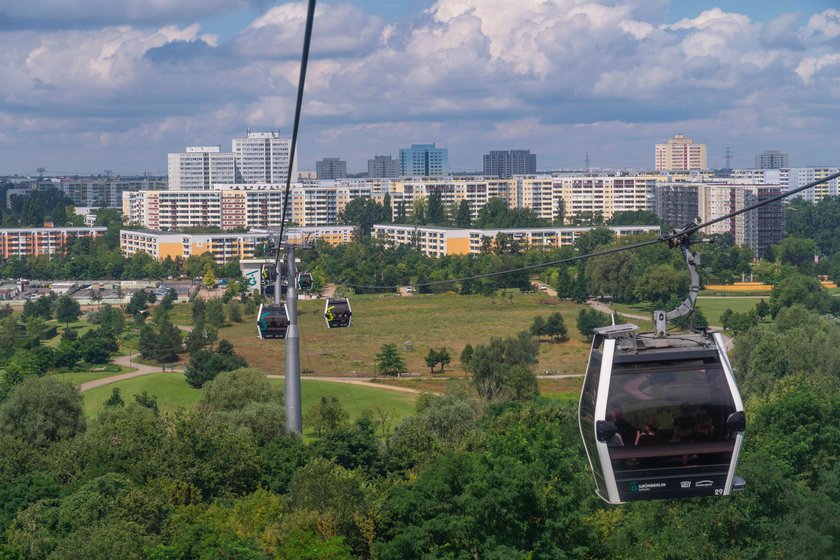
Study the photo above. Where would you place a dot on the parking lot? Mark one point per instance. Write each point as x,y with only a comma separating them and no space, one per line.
92,292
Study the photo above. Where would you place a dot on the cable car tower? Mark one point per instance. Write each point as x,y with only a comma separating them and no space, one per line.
279,320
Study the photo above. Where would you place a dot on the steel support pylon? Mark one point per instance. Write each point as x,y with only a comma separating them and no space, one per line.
294,418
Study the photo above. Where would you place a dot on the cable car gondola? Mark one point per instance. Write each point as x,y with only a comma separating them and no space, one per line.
273,320
337,312
268,278
305,281
661,416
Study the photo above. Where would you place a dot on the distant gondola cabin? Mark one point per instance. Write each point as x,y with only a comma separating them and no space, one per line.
337,313
272,321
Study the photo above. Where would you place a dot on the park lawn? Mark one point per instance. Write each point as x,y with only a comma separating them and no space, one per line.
79,377
81,327
173,392
712,307
171,389
428,321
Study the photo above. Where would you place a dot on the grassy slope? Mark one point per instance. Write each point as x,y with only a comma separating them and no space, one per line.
427,320
173,392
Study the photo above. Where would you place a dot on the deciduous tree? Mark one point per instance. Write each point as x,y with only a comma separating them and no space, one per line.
43,410
67,310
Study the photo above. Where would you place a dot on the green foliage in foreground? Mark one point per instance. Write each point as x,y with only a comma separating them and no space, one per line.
463,477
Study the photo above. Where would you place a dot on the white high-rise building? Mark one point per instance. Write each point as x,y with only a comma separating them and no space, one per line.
200,167
263,157
795,177
680,153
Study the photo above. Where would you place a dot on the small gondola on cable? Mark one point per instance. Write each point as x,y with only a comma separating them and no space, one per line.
272,320
305,281
660,415
268,278
337,313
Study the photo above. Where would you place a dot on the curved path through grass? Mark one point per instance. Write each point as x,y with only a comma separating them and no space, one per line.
142,369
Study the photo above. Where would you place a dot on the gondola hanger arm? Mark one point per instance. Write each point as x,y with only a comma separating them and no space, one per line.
681,239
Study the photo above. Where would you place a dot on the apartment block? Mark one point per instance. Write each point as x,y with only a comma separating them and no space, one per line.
605,194
771,159
795,177
440,241
263,157
678,205
424,160
476,191
106,193
224,247
240,206
200,167
757,176
330,168
504,164
383,167
30,242
680,153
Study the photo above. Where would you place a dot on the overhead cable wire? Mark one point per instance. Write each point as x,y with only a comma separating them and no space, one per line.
663,238
307,40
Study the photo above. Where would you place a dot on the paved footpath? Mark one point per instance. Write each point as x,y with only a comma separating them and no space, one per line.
142,369
355,381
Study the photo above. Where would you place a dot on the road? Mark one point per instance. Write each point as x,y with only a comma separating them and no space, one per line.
548,289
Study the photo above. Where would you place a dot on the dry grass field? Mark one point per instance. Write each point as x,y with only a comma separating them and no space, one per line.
427,321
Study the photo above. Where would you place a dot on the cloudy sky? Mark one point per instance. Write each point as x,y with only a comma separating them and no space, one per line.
89,85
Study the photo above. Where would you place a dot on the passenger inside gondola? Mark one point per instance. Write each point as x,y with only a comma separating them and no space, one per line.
683,426
648,435
704,430
625,429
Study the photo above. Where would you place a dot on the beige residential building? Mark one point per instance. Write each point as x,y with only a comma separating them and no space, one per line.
239,206
604,194
260,205
223,246
440,241
30,242
680,153
476,191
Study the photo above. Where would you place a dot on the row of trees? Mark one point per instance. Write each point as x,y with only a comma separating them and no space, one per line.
432,210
